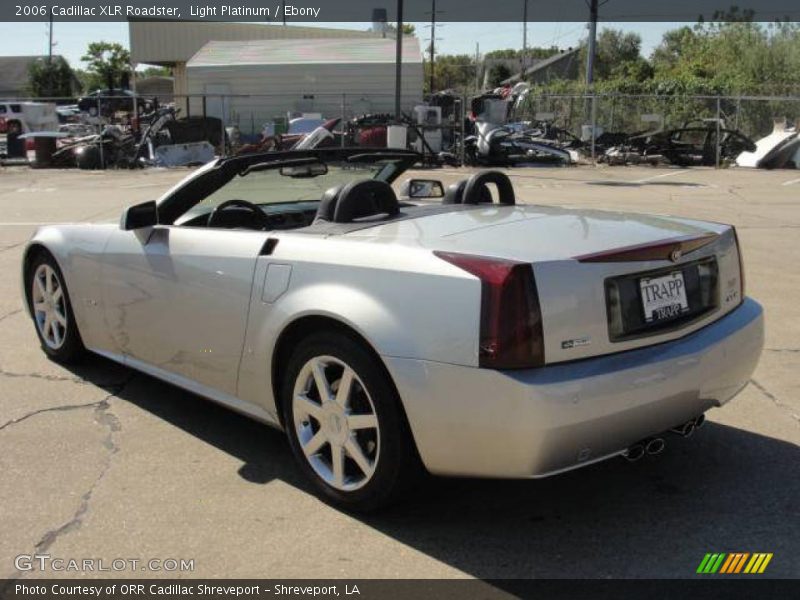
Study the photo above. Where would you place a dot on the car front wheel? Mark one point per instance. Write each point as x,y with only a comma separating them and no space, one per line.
51,310
345,425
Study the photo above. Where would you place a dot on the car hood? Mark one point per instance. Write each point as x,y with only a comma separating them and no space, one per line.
531,233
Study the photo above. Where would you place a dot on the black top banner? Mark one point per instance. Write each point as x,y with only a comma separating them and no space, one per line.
368,11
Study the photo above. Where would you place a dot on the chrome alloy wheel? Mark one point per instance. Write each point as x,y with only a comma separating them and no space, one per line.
49,308
336,423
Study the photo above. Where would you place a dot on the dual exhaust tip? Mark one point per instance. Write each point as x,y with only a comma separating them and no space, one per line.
688,428
651,446
656,445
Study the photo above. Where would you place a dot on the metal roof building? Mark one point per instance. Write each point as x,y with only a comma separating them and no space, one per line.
263,79
173,43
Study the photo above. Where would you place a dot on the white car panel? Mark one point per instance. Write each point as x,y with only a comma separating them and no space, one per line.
422,307
537,422
178,297
532,233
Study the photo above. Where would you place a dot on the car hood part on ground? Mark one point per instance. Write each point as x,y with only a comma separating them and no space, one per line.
775,150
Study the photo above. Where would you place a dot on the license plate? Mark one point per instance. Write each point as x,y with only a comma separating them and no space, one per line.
663,297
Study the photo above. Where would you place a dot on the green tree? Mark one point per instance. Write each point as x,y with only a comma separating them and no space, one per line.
51,78
675,46
735,56
616,54
408,29
498,74
88,81
153,72
534,53
453,71
109,62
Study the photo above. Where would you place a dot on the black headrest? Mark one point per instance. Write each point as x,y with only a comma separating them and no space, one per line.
365,198
327,204
455,194
475,190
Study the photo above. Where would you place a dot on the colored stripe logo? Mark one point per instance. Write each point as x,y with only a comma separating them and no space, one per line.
734,563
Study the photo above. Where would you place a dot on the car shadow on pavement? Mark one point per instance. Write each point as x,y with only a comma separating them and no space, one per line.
722,490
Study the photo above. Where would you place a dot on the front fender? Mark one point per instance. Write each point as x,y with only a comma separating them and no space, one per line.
78,251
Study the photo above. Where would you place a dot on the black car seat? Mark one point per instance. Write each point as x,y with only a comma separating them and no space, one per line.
455,194
327,204
365,198
476,189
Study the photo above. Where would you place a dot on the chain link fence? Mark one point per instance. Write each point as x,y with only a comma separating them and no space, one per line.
752,115
252,116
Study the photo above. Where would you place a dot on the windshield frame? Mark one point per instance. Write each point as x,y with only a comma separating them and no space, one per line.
196,188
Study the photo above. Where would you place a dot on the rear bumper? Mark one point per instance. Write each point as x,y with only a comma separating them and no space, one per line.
533,423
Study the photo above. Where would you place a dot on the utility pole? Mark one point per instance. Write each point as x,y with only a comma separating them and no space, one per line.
592,46
50,53
433,44
50,38
524,61
398,69
592,50
477,67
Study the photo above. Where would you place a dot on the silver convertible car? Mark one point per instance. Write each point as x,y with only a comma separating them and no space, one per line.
387,332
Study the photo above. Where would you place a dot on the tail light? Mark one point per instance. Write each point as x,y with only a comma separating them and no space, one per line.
511,334
741,262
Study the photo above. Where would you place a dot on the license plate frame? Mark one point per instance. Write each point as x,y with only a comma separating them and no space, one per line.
663,297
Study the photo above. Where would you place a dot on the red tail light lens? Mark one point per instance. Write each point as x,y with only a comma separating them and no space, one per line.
511,334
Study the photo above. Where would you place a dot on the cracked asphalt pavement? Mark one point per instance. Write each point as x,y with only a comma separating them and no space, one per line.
97,461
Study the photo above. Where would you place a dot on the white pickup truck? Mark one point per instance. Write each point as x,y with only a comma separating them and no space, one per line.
25,117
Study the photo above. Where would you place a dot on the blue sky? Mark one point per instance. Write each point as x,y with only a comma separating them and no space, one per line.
453,38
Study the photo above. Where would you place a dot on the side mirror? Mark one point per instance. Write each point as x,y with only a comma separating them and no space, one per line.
139,216
422,188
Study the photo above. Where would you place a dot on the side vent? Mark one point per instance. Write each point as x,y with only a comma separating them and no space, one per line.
268,247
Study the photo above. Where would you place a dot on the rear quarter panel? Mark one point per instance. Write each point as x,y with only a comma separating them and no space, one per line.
404,301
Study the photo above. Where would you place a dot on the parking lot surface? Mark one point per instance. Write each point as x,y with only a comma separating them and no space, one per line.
100,462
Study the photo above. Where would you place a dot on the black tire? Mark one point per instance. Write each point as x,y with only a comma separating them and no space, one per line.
71,348
398,466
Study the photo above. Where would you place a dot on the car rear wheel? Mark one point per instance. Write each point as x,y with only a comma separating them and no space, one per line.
345,425
51,310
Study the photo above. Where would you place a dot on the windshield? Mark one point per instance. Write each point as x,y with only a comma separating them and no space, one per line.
272,179
276,186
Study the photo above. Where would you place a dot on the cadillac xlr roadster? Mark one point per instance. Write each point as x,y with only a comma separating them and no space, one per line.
386,332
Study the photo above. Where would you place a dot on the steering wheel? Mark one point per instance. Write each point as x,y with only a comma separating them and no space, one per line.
260,218
474,189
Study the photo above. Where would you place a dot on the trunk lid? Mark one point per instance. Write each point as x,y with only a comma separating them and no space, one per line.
591,268
533,233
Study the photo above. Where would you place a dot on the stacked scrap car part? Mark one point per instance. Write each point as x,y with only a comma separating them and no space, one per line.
694,144
162,140
284,141
779,150
498,142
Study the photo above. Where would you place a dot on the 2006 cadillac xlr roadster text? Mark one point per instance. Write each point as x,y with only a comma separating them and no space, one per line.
470,335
